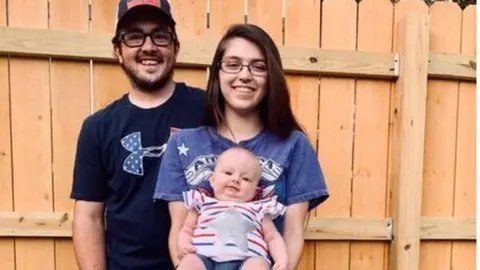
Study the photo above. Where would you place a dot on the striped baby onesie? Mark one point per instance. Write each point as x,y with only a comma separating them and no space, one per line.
229,230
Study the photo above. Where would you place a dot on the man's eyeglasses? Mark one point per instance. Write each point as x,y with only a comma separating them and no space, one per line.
257,68
137,39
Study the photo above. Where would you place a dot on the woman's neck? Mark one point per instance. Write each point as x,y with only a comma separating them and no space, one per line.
238,127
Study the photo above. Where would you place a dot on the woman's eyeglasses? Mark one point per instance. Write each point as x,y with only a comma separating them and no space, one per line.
257,68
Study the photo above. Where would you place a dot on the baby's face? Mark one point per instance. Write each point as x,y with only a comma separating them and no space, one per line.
236,176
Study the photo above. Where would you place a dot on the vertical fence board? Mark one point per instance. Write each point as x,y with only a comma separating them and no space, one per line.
408,139
304,90
371,133
30,108
268,15
70,105
440,135
191,19
339,30
463,253
400,10
223,14
7,249
109,80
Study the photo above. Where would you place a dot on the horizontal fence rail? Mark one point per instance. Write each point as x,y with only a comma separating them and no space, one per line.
72,45
59,224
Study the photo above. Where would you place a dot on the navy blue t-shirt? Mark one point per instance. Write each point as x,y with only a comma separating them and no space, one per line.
117,160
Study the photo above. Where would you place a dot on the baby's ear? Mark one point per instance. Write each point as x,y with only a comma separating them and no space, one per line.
211,178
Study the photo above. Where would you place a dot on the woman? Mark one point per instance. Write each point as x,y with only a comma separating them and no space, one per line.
248,105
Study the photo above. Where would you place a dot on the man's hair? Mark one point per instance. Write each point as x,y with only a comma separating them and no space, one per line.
275,110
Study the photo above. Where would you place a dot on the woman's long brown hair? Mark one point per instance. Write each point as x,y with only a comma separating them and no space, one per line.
275,109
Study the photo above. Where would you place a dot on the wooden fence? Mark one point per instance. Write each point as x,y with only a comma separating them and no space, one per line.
385,92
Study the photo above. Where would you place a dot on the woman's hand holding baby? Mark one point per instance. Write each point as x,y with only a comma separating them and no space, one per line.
185,235
184,244
280,265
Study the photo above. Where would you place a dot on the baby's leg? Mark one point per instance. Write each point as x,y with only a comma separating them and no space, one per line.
191,262
255,263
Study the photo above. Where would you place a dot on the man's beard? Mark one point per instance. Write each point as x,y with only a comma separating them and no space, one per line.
147,85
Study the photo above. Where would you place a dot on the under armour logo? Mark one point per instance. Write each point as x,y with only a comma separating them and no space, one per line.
134,162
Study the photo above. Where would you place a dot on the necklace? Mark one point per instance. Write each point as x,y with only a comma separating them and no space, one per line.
229,131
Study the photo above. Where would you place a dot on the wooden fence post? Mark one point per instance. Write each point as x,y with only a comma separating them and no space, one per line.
408,145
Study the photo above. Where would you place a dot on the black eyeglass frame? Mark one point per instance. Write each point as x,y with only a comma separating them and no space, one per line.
171,39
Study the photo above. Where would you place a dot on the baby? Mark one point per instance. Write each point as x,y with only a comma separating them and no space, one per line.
230,230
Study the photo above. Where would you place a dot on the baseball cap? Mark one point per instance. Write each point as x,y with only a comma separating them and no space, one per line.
126,6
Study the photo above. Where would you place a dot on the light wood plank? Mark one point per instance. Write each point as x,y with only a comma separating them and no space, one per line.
59,225
223,14
70,105
191,18
371,133
341,229
304,90
7,248
43,224
109,80
36,224
198,52
268,14
339,31
191,24
463,254
194,52
452,66
440,135
409,129
401,9
32,157
434,228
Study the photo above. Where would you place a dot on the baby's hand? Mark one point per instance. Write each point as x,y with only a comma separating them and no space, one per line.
184,245
280,265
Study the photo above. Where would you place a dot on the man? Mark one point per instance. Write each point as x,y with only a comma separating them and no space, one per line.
117,225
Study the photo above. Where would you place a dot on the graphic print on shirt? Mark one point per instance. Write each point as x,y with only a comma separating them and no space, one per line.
134,162
202,167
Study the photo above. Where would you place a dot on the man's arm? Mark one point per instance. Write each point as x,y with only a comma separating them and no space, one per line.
88,235
178,214
293,232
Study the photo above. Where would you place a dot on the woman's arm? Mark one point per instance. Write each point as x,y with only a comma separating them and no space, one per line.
185,235
276,245
293,232
178,214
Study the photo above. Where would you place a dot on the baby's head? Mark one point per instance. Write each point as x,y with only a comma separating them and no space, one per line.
236,175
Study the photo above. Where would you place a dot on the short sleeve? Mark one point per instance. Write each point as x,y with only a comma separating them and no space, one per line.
171,181
273,208
193,199
89,175
304,179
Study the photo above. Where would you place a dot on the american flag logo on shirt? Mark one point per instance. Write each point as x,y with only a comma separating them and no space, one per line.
133,163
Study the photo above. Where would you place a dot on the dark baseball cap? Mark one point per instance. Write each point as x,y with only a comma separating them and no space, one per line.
126,6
